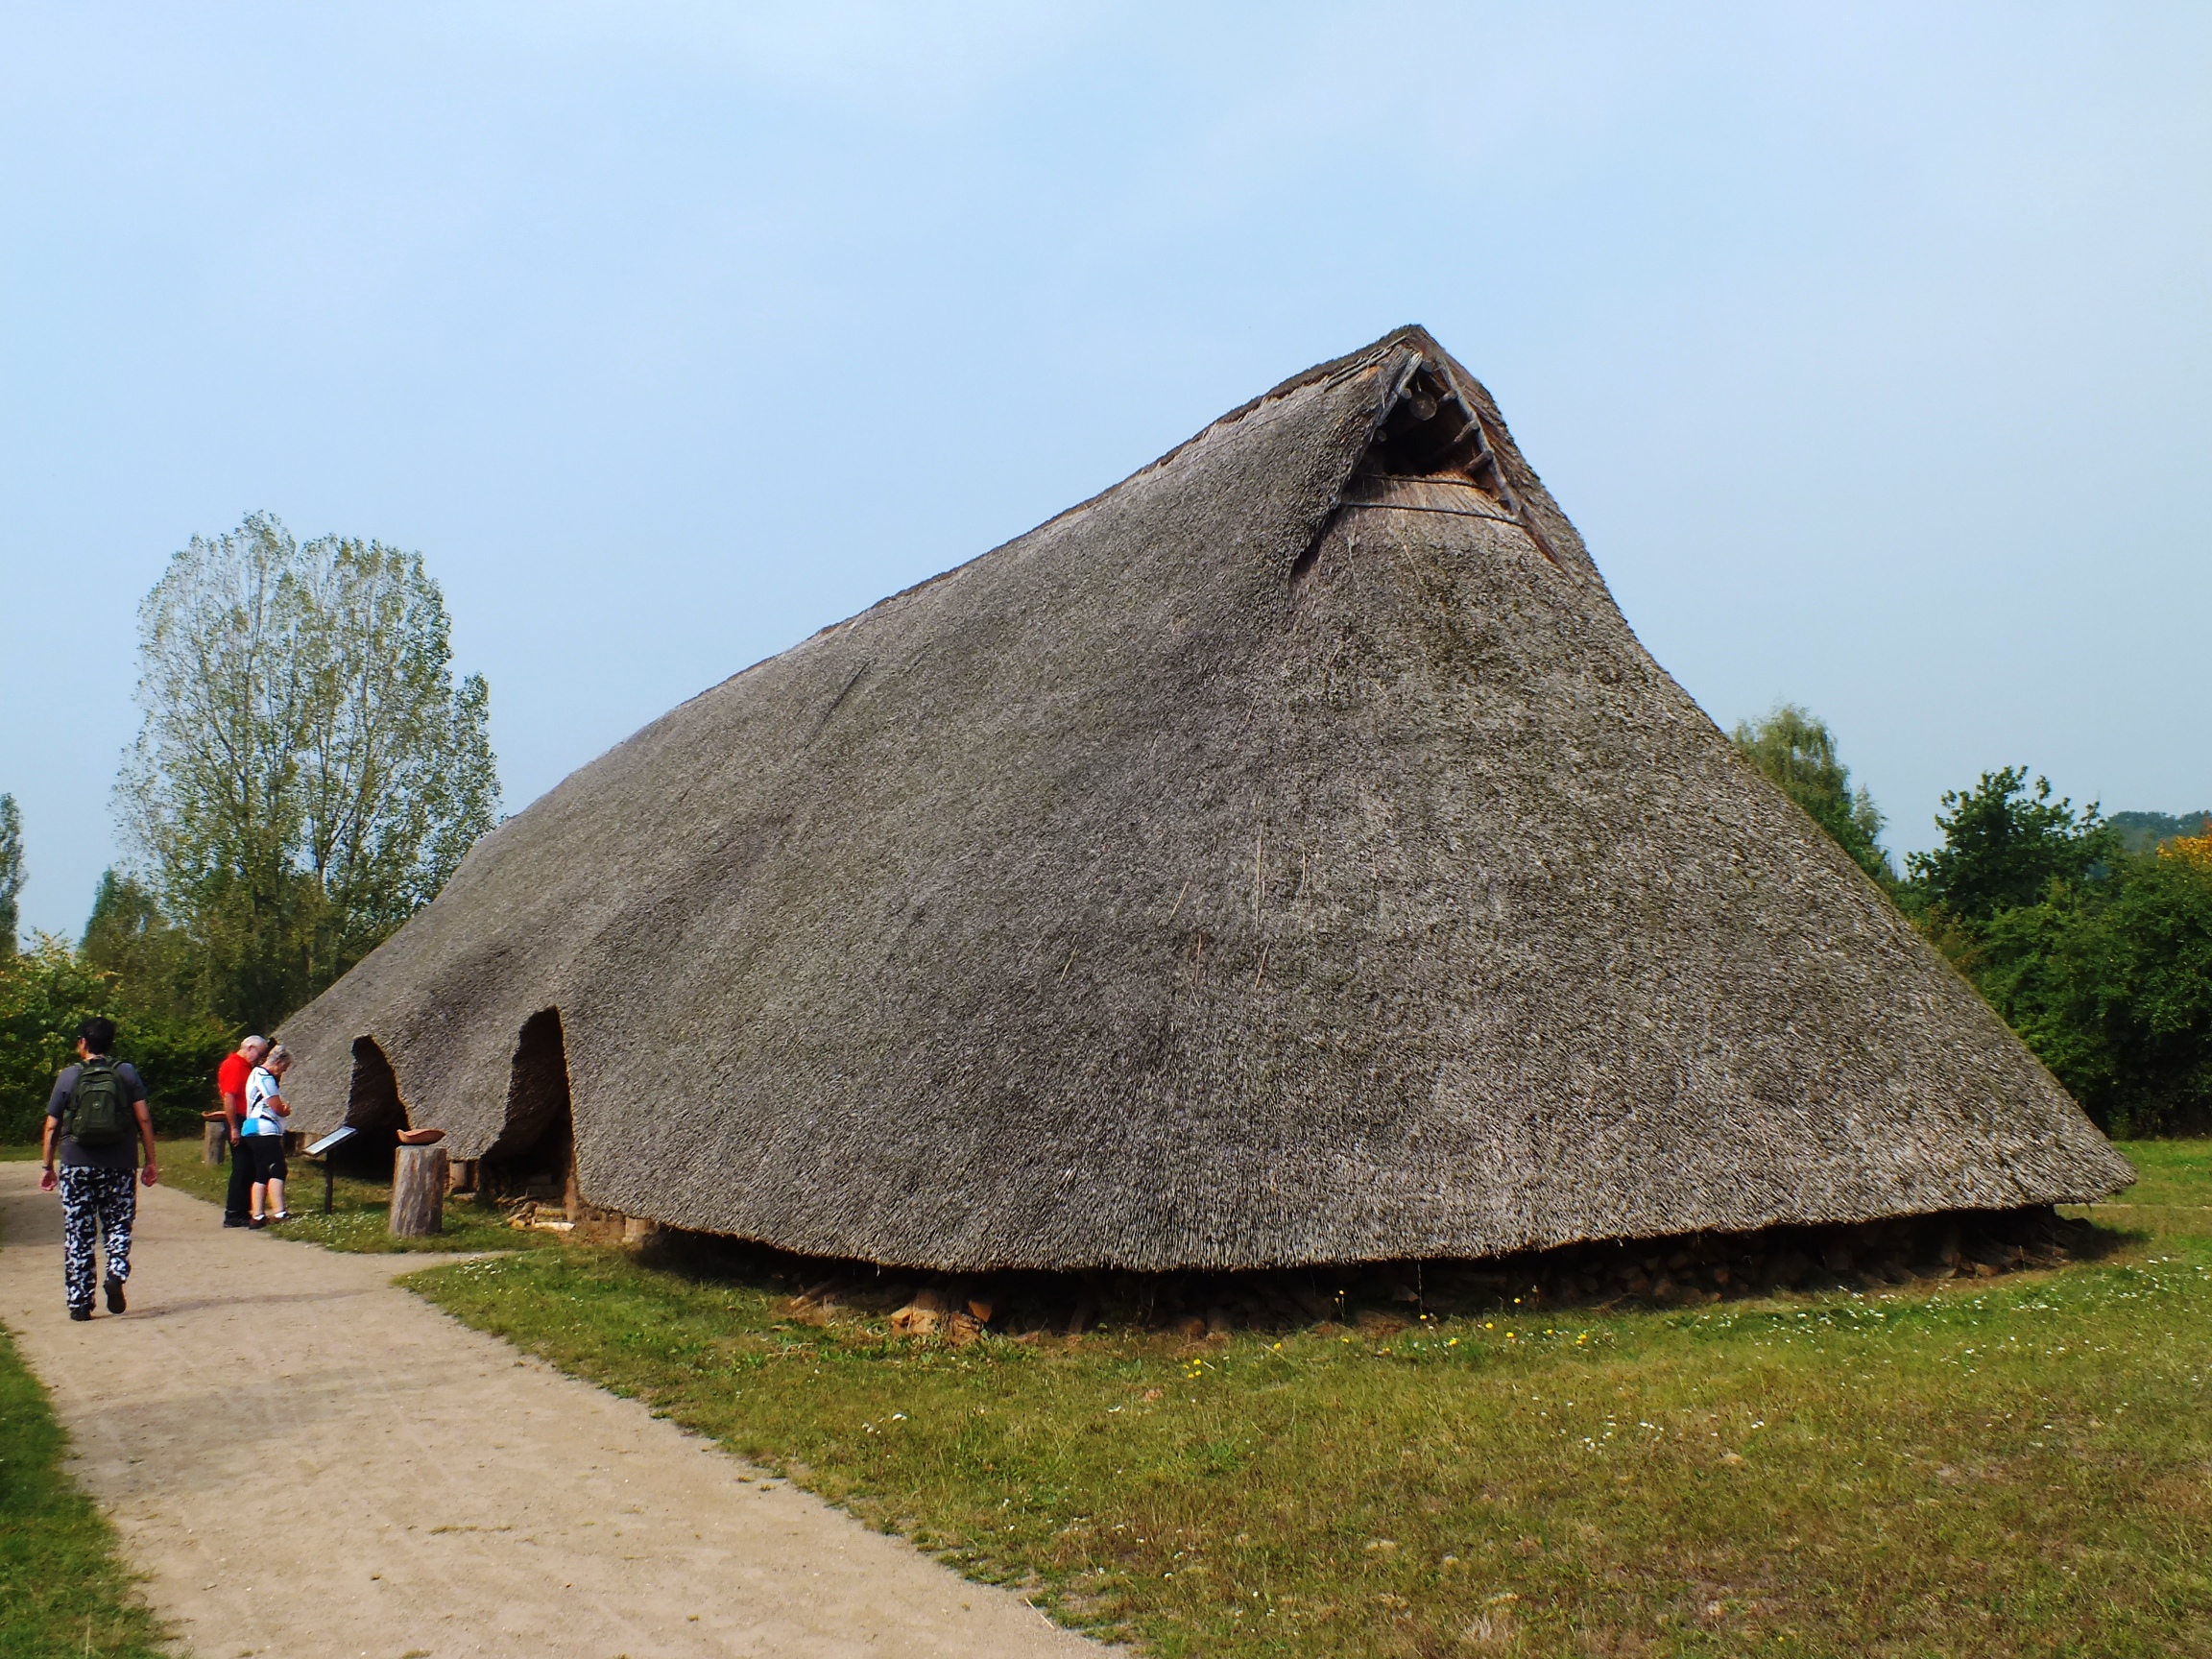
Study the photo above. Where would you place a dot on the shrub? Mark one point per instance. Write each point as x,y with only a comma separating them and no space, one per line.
46,992
2110,983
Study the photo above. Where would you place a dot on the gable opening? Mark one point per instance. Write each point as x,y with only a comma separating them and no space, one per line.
1430,435
1431,453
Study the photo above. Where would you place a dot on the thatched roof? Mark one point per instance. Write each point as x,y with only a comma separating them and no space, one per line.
1289,855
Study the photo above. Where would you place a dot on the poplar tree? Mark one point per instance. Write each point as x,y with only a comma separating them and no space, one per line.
306,774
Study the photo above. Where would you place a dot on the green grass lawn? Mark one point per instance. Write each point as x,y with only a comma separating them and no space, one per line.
358,1209
2019,1465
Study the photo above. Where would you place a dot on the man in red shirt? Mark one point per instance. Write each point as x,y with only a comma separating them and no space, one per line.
230,1084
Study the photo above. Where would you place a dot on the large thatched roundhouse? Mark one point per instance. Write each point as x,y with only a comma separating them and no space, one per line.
1287,857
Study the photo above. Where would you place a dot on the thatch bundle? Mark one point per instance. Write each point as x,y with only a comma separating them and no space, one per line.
1289,855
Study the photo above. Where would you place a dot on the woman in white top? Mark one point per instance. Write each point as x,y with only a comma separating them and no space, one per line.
261,1136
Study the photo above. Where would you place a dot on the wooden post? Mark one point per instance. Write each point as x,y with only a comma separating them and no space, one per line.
418,1192
214,1141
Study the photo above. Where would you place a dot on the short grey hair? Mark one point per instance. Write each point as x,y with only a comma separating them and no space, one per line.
276,1056
260,1043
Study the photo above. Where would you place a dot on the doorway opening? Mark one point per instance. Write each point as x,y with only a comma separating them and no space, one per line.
374,1112
534,1158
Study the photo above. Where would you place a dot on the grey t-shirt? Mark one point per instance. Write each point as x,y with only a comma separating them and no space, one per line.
122,1156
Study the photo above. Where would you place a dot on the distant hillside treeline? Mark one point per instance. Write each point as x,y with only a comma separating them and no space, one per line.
2092,936
2141,832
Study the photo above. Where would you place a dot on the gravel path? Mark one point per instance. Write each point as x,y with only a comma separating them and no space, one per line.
307,1461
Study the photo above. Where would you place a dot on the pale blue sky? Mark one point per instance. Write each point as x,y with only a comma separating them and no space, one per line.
1869,347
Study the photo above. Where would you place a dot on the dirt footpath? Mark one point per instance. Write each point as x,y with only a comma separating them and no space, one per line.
307,1461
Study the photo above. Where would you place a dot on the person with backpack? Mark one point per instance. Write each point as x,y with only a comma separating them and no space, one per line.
96,1119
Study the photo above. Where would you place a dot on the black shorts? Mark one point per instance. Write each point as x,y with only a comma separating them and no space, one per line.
266,1155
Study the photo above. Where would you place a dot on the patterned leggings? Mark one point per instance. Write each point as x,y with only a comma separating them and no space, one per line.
96,1204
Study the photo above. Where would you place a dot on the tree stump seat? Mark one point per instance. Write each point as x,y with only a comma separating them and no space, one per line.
418,1193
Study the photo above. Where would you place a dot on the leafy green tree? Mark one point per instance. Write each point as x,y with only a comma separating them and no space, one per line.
128,936
11,874
307,773
47,991
2110,983
2005,843
44,992
1797,754
2101,958
397,779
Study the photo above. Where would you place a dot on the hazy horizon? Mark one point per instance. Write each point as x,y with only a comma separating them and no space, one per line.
1868,352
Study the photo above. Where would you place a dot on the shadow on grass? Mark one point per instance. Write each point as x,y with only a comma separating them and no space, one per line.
2097,1241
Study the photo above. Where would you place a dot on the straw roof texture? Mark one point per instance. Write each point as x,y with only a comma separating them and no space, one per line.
1289,855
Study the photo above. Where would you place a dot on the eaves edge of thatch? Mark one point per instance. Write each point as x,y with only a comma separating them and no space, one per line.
1533,1241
